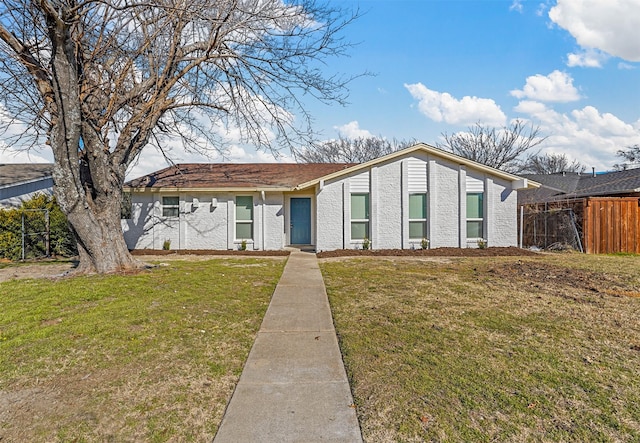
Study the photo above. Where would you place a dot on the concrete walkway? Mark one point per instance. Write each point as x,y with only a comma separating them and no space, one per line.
293,387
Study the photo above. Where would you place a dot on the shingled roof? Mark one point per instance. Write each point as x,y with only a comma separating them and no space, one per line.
563,186
238,175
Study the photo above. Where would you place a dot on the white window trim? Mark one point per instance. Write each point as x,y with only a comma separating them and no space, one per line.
236,221
360,220
412,239
480,219
163,206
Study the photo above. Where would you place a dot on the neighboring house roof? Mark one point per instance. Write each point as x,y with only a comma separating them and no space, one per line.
563,186
13,174
258,176
288,176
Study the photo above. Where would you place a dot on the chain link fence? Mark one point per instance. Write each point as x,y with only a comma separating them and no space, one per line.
552,228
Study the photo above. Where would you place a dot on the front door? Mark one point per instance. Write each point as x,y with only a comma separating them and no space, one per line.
300,221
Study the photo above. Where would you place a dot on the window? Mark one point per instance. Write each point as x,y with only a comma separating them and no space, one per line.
126,209
244,218
417,216
170,206
359,216
475,215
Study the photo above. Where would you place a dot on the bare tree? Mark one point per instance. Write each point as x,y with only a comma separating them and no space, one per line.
501,148
98,80
551,164
347,150
631,157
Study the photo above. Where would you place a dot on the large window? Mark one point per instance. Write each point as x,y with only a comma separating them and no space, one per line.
359,216
475,215
417,216
244,218
170,206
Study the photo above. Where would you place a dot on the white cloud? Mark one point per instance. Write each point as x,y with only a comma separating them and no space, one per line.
441,106
610,26
590,58
625,66
555,87
531,107
516,6
542,9
12,129
352,130
584,134
12,155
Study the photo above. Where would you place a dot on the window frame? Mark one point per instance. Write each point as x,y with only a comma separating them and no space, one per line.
240,221
173,207
418,220
366,221
476,219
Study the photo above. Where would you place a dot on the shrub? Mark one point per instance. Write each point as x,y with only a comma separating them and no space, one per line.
61,240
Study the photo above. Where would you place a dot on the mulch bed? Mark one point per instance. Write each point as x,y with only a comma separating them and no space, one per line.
436,252
209,252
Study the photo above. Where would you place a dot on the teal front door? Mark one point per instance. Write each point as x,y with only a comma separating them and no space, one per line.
300,225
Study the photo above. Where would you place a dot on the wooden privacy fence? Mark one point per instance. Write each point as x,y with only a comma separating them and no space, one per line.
611,225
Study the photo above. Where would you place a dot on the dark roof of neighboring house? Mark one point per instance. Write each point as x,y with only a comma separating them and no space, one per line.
15,173
238,175
563,186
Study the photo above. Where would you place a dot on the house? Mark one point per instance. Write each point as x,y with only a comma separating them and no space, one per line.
595,213
392,202
19,182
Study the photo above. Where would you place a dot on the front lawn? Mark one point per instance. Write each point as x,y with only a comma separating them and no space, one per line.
491,349
148,357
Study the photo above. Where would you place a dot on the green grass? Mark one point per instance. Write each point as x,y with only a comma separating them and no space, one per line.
147,357
493,349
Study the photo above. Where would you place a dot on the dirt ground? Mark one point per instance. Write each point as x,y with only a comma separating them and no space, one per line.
436,252
35,270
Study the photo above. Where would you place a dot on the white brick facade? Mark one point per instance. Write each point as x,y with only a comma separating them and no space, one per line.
206,220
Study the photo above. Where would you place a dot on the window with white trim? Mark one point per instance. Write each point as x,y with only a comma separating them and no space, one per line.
244,217
475,215
170,206
359,216
417,216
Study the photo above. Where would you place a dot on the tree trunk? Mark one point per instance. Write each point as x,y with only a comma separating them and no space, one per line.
98,231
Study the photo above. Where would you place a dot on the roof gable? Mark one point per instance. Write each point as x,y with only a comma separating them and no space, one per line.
422,147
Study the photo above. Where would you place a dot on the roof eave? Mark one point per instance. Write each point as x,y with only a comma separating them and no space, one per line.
174,189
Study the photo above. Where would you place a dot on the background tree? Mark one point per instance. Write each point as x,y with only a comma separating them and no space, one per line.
631,157
501,148
347,150
551,164
101,79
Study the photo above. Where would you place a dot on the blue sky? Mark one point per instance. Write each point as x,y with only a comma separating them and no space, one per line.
442,66
571,67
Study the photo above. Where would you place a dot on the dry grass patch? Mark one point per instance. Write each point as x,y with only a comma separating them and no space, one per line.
147,357
491,349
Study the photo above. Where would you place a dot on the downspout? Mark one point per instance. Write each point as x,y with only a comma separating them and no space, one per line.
262,194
